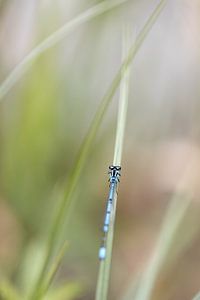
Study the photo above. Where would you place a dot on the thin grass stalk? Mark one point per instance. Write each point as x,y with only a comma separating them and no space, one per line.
176,212
178,208
105,265
65,291
85,148
123,103
53,39
131,290
53,270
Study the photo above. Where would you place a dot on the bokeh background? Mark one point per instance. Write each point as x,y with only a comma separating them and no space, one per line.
45,116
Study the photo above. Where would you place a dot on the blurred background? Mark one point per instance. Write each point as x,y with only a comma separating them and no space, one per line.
45,116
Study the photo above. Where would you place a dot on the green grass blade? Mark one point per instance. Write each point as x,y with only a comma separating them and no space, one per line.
85,148
104,271
176,212
8,291
174,217
66,291
53,270
123,105
53,39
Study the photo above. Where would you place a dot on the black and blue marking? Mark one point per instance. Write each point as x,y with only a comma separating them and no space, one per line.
115,174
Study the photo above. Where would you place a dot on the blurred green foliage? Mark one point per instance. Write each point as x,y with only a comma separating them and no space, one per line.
46,116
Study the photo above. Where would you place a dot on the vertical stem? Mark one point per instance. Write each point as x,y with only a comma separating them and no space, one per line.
104,271
123,103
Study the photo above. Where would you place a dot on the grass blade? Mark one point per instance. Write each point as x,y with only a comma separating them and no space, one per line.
176,212
123,104
104,271
105,265
66,291
85,148
53,270
131,290
53,39
8,291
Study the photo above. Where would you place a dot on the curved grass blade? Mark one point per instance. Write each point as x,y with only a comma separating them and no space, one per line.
85,148
53,39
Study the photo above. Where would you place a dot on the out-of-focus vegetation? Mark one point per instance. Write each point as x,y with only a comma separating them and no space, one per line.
44,118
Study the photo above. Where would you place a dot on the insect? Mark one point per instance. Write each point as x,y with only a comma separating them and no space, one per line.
114,172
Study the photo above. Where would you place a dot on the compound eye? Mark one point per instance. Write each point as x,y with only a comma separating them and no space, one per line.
111,167
118,168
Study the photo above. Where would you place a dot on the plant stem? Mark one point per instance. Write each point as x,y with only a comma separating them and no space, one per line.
105,265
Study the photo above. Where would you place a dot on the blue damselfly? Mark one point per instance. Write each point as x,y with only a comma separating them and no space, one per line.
114,172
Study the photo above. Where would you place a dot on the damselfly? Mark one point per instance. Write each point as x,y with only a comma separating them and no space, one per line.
114,172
